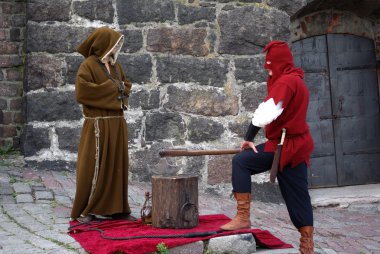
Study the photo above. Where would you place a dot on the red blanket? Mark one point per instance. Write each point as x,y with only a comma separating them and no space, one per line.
90,237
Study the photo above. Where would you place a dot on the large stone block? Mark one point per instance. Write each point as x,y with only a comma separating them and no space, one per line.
9,48
68,138
52,10
34,139
239,125
290,7
137,68
144,99
234,244
193,165
18,20
219,169
210,102
55,39
8,131
16,34
252,96
145,162
95,10
134,129
243,1
131,11
72,62
190,14
211,72
44,71
3,104
248,29
250,69
266,191
10,61
10,89
204,130
52,106
188,41
6,118
12,7
164,125
133,41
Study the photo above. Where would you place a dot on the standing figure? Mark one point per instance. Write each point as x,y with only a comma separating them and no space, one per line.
102,167
284,107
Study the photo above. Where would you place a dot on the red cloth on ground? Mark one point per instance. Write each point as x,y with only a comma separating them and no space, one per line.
93,243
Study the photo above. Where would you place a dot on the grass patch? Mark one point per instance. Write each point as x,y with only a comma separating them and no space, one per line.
161,249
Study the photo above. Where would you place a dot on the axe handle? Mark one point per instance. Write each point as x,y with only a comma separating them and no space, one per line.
185,152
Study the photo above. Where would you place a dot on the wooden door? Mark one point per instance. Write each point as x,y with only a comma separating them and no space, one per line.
344,119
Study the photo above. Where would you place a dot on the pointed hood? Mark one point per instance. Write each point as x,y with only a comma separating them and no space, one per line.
102,42
281,61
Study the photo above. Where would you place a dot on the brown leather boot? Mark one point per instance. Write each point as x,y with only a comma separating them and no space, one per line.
242,218
306,240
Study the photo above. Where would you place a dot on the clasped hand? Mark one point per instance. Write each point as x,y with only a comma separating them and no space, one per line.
121,87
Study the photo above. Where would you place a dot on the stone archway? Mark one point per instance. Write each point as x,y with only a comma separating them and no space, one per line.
337,45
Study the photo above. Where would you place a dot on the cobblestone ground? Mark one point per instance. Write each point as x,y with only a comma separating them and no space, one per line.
35,208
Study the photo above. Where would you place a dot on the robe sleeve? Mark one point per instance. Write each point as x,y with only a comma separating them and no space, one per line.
127,83
90,93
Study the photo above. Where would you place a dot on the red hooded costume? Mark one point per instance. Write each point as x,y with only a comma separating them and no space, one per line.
286,84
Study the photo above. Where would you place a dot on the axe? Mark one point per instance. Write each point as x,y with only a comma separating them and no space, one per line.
276,159
186,152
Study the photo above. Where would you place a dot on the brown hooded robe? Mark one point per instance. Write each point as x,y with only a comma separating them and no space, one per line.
102,166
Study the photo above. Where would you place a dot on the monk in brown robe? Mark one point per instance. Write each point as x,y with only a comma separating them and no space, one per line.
102,167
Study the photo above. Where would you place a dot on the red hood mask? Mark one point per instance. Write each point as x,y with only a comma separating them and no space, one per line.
281,61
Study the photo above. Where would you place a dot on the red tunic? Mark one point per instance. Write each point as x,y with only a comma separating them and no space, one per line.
287,85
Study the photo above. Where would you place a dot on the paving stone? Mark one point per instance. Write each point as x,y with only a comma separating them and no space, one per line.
4,178
191,248
43,195
52,234
24,198
5,189
43,243
45,221
234,244
63,200
21,188
7,199
43,201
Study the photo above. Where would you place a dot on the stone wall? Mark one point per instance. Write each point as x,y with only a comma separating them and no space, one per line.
12,55
196,68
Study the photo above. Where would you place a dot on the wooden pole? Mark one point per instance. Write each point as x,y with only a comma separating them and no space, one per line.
185,152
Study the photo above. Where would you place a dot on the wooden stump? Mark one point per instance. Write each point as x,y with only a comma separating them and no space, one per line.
175,201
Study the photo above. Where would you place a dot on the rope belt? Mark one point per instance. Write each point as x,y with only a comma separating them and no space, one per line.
97,138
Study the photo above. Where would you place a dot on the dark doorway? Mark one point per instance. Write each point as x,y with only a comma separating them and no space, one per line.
344,118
